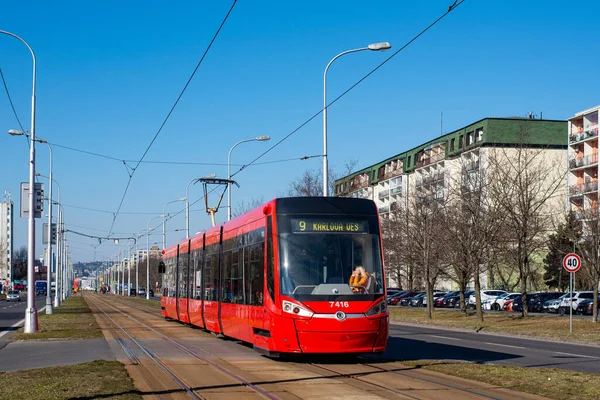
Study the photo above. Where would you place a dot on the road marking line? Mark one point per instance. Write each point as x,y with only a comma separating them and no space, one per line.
504,345
13,326
574,355
444,337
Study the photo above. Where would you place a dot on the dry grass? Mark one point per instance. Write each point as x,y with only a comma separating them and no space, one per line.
72,320
548,382
549,327
93,380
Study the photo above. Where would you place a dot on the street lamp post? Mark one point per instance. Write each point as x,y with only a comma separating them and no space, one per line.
256,139
164,232
31,322
148,254
49,309
372,47
187,207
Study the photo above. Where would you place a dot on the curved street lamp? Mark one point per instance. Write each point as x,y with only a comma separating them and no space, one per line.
256,139
31,321
373,47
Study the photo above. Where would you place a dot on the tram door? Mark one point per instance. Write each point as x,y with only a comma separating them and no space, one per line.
177,282
183,293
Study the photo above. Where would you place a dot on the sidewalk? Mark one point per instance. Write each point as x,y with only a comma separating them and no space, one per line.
51,353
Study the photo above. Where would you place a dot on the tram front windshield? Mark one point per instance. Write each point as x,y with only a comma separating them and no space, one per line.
318,258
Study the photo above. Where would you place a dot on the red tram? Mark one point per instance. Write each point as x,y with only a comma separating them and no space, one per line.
279,277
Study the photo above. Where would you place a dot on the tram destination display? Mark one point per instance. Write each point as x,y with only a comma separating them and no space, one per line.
311,225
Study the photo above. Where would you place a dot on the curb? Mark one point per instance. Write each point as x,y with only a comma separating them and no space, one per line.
497,334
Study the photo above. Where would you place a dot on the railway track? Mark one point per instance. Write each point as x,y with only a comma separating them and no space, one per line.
355,379
192,390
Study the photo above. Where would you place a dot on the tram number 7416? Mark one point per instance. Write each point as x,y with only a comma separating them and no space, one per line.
340,304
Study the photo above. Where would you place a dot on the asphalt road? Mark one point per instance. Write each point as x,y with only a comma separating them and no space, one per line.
425,343
12,315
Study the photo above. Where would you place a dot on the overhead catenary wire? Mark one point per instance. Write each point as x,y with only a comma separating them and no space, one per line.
12,105
302,125
134,169
209,164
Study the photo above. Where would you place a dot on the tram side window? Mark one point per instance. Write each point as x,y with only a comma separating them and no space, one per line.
237,278
171,272
208,277
226,290
197,275
182,260
255,274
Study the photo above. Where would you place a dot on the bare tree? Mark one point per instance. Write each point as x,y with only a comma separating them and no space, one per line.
396,247
525,184
311,181
474,223
590,251
426,222
19,260
309,184
243,207
155,277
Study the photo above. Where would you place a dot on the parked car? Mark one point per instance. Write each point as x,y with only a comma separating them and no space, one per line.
392,293
18,286
508,304
454,301
490,294
13,295
417,301
132,292
436,295
537,300
406,300
586,307
573,300
439,302
396,298
552,305
497,303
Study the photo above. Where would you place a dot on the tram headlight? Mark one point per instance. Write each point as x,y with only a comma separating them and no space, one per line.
296,309
378,308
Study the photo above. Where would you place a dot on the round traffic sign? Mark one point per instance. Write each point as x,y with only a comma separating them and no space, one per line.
572,262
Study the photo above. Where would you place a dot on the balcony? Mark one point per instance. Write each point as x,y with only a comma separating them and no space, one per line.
384,193
396,190
589,132
583,188
471,166
583,162
384,209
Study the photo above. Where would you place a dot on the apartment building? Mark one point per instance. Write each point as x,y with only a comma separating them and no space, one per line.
583,161
435,168
6,237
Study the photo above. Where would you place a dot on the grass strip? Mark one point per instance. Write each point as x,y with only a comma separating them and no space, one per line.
72,320
151,302
548,382
93,380
547,327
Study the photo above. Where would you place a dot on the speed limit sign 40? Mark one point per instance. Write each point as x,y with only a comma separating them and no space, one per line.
572,262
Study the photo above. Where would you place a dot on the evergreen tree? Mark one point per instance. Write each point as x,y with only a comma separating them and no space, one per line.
560,244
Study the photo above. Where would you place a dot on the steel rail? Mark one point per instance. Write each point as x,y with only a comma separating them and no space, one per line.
196,355
150,355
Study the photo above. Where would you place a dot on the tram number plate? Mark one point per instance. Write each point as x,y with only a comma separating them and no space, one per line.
340,304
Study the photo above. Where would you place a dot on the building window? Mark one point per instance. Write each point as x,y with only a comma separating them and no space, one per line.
469,138
460,142
409,161
479,135
452,144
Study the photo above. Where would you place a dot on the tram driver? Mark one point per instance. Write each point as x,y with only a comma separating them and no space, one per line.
359,277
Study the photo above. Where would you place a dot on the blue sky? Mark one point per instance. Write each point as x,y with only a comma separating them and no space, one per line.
109,72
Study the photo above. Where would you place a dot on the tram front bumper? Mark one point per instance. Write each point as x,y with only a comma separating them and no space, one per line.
350,336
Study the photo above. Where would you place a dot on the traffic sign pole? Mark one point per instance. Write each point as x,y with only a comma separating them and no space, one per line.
571,263
571,302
